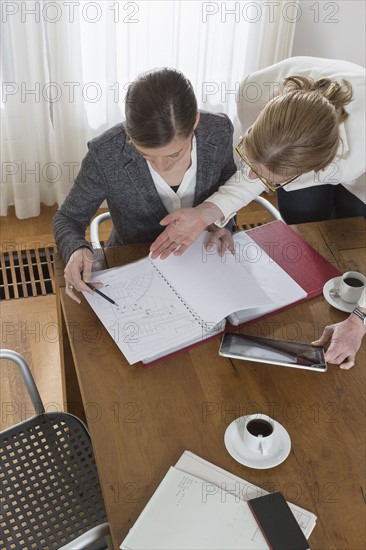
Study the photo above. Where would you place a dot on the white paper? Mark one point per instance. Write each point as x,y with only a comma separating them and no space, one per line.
215,286
277,284
197,466
184,513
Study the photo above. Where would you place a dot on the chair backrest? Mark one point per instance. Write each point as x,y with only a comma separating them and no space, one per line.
269,207
94,229
50,486
94,226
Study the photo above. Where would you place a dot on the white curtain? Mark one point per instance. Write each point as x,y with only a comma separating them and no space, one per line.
66,67
277,32
26,145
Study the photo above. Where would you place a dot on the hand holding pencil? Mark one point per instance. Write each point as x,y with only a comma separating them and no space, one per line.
100,293
77,271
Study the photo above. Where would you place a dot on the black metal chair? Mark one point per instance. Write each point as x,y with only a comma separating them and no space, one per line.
51,496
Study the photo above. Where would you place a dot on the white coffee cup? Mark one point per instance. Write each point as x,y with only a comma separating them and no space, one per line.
351,287
259,433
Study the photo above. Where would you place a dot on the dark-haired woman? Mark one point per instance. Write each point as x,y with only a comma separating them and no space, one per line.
165,156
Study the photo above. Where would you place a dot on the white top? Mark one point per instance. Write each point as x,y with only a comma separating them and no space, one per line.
184,196
348,167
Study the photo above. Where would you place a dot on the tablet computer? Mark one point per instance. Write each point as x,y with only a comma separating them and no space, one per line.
273,352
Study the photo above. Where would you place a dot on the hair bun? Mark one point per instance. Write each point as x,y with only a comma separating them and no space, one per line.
338,94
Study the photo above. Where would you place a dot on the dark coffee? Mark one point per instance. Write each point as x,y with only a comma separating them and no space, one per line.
352,281
259,427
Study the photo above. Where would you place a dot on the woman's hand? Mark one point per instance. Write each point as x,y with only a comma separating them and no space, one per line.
344,340
223,234
184,226
78,271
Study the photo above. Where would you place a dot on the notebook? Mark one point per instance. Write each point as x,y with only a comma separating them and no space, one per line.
183,514
165,305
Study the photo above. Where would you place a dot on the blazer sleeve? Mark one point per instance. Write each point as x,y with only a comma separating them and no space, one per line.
85,197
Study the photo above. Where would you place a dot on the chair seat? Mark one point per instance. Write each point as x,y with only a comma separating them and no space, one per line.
50,486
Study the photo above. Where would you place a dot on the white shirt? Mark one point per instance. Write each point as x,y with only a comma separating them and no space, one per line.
348,167
184,196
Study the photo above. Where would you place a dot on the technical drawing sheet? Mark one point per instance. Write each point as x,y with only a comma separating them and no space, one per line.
150,318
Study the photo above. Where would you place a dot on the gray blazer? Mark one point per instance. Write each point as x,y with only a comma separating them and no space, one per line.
114,171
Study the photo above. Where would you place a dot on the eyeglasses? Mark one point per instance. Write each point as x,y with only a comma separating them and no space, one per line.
269,185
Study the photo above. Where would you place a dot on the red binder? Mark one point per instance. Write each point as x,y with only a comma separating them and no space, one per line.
298,258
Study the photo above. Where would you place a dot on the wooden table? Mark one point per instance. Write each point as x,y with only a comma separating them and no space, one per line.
142,419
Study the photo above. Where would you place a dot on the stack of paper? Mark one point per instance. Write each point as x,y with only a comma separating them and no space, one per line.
198,505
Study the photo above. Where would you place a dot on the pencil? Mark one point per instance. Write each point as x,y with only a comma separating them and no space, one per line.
102,294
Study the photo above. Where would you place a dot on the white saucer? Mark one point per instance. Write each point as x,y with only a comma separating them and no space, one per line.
336,301
234,444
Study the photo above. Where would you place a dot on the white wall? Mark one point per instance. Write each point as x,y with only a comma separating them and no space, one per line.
334,30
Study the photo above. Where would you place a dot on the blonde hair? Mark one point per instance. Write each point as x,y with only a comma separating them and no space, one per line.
298,130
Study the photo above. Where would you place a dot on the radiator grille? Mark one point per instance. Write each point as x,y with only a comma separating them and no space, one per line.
247,226
27,273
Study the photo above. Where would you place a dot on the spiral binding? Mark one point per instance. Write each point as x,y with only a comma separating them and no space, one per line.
194,314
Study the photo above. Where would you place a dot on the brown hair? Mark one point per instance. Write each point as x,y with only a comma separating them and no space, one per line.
160,104
298,130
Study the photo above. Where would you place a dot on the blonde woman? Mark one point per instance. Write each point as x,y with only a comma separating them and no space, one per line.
303,127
